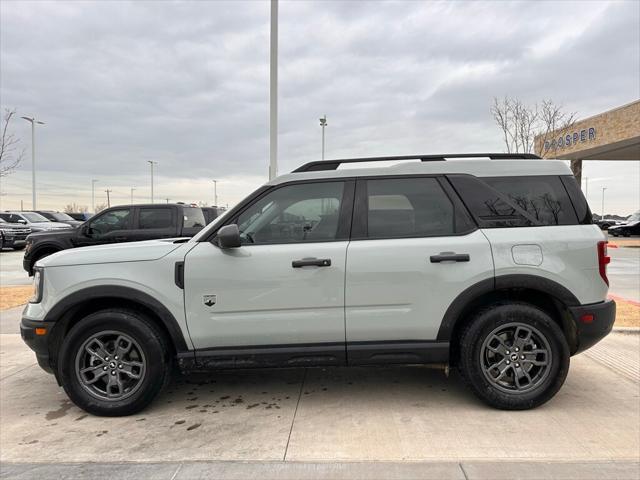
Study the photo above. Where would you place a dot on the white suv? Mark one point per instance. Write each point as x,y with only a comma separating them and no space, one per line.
489,265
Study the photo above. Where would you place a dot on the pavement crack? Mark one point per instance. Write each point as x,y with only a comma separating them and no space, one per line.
466,477
293,420
175,474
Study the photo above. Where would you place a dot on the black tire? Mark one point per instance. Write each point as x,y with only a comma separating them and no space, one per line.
147,343
477,354
39,256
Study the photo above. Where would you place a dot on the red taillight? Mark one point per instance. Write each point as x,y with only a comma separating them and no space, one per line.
603,260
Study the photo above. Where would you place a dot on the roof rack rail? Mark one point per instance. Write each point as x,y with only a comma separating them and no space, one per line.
334,164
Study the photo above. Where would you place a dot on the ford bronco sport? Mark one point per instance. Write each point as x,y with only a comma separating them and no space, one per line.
491,265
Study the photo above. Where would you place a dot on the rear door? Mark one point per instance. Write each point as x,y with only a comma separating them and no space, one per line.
413,250
155,222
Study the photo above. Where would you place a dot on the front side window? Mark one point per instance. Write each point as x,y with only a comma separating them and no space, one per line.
151,218
295,213
408,207
111,221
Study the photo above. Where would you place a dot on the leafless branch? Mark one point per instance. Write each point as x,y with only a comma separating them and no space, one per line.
11,155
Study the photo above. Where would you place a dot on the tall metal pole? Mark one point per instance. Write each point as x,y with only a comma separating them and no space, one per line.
93,196
132,190
273,93
33,122
323,123
603,189
151,162
215,193
108,198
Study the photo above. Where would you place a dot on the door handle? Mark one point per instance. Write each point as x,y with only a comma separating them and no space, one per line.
311,262
450,257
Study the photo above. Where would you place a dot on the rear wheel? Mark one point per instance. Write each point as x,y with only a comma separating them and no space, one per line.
114,362
514,356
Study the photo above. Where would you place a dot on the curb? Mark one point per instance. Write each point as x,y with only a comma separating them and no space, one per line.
627,330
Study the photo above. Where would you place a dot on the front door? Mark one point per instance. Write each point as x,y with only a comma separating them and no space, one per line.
112,226
283,288
414,249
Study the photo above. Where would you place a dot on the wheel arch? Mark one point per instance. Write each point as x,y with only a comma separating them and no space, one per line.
71,309
541,292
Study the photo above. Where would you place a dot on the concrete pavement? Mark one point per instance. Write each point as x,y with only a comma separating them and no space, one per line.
624,273
324,415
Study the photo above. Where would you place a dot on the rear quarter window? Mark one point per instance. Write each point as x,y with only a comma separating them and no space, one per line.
499,202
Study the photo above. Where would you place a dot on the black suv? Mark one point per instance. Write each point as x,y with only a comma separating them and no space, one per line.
631,227
126,223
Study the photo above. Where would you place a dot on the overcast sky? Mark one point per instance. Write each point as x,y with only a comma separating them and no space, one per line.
186,84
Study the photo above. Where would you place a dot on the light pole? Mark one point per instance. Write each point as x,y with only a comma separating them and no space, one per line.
33,157
603,189
273,93
215,193
152,163
323,123
132,190
93,196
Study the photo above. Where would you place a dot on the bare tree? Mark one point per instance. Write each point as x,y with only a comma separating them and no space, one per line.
75,208
100,207
11,155
520,123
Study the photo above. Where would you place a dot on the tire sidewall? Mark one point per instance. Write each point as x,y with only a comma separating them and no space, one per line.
471,355
149,340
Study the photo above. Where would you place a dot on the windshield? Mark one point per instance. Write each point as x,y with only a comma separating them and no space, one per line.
34,217
61,217
634,218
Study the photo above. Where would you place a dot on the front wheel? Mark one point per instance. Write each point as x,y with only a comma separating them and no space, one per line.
514,356
114,362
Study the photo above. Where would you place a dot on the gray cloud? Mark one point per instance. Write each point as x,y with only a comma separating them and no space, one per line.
186,83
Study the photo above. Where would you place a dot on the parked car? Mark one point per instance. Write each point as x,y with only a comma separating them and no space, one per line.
35,221
631,227
492,266
81,216
59,217
606,223
127,223
13,235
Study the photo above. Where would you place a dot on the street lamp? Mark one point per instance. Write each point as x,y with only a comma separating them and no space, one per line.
132,190
33,156
323,123
603,189
215,193
93,196
273,92
152,163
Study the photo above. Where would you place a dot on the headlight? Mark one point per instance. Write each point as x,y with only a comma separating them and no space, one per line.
38,278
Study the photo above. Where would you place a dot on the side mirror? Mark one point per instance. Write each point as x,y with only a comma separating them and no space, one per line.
229,236
87,231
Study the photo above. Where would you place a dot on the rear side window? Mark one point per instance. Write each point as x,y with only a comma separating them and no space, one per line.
409,207
498,202
153,218
193,217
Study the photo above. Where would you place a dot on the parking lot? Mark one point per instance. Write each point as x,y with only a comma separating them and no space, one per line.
329,423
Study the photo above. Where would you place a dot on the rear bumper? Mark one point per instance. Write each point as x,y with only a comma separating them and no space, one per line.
593,322
39,343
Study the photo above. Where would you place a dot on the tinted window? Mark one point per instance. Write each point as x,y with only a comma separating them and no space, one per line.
580,204
111,221
193,217
155,218
499,202
408,207
294,213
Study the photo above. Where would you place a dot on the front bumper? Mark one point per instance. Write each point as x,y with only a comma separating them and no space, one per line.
593,322
38,341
